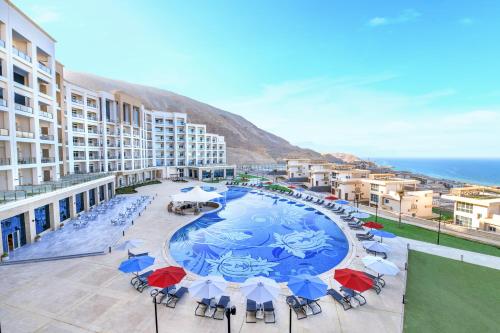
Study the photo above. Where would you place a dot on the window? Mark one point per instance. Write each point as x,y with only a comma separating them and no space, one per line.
464,207
490,228
386,201
374,187
374,198
463,221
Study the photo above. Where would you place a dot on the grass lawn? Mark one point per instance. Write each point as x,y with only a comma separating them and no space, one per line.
445,295
278,188
249,176
429,236
131,189
445,214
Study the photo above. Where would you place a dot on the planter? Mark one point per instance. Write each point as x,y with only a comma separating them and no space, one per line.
38,238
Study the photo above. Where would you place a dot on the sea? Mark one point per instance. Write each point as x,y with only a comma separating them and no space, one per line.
483,171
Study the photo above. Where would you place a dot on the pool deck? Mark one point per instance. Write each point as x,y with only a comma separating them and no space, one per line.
89,294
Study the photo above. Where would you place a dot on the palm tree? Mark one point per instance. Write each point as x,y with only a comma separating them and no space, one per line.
401,193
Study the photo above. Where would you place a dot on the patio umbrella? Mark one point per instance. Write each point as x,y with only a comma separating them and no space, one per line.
376,246
373,225
307,286
353,279
129,244
342,202
382,234
260,289
380,266
361,215
208,287
136,264
331,197
197,194
292,186
167,276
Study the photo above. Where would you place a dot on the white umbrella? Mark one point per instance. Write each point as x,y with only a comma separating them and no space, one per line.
208,287
260,289
197,194
129,244
376,246
380,266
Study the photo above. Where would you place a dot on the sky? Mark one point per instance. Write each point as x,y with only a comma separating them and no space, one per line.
373,78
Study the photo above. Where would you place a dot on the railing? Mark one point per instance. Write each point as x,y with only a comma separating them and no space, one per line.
78,129
4,161
48,159
21,54
77,101
2,43
79,144
23,108
47,137
79,158
26,160
78,115
92,118
4,132
92,105
25,135
46,114
44,68
3,102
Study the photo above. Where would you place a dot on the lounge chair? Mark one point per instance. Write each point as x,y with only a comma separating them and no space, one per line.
252,310
355,226
313,305
160,294
378,279
354,295
174,298
269,312
340,212
341,299
132,255
299,307
220,308
140,282
366,236
202,307
375,253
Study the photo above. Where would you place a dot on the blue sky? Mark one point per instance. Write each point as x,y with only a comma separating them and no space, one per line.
373,78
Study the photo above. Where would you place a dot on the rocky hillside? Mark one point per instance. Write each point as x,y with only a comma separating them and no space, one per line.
246,143
341,158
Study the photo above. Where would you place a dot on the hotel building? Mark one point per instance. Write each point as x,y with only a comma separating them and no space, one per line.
476,207
65,148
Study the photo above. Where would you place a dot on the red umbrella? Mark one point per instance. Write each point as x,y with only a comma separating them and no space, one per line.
353,279
373,225
269,183
167,276
331,197
292,186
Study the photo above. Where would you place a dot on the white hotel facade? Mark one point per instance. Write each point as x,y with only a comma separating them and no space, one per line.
52,130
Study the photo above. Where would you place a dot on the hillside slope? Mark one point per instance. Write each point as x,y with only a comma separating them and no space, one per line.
246,143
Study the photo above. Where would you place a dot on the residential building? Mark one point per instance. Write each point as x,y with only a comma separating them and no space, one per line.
346,182
476,207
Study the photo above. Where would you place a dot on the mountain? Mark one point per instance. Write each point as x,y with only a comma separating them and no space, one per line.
246,143
341,158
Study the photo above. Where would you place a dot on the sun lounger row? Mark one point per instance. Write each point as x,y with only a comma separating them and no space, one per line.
266,310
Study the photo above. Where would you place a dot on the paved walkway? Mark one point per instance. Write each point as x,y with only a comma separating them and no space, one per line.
452,253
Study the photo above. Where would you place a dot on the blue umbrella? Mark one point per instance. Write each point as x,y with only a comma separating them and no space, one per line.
136,264
307,286
342,202
382,233
300,189
361,215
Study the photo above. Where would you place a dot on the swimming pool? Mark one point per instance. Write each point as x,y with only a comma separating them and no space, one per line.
258,233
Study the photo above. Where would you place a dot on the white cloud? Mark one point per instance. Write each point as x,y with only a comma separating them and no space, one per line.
349,114
407,15
44,14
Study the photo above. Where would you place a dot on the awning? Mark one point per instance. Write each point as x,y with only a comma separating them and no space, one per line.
197,194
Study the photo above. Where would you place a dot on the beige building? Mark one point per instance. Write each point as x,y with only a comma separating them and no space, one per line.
476,207
347,183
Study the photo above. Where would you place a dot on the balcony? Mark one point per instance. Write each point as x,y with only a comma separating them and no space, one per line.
21,54
2,43
79,158
78,129
79,144
3,102
46,137
25,135
23,108
91,105
4,132
77,101
26,160
44,68
4,161
48,159
45,114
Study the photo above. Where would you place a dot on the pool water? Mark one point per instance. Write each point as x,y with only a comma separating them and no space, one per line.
259,234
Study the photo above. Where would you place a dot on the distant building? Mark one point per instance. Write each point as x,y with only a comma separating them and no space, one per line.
476,207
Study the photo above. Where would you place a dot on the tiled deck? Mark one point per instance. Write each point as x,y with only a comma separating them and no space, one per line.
97,236
90,295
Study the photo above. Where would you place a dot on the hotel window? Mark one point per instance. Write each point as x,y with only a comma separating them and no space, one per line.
374,198
463,221
464,207
374,187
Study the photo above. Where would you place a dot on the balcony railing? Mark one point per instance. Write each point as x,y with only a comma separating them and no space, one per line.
4,161
2,43
48,159
92,105
4,132
21,54
46,137
94,118
79,144
23,108
46,114
78,129
79,158
3,102
77,101
25,135
44,68
26,160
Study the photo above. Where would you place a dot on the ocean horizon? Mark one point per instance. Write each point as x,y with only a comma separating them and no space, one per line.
483,171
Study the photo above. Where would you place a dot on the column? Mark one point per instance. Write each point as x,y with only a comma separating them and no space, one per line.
29,226
72,206
54,215
86,205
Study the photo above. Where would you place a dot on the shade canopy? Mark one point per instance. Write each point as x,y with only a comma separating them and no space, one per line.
353,279
342,202
373,225
129,244
197,194
208,287
380,266
331,197
166,277
307,286
260,289
383,234
136,264
361,215
376,246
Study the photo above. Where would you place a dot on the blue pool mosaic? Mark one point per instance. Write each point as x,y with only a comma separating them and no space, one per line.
258,235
